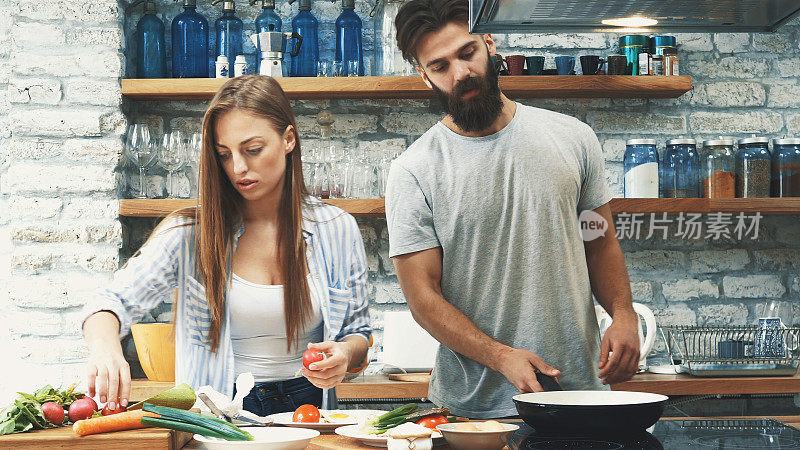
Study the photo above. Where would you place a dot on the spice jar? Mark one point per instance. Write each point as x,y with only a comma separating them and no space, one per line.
641,169
786,167
671,65
717,169
631,46
680,169
753,172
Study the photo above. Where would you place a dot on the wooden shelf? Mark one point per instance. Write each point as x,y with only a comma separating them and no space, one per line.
370,207
376,208
543,86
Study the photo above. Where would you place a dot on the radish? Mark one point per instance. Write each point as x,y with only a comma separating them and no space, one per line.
53,413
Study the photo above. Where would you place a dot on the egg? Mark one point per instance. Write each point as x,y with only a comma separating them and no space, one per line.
466,426
338,417
492,425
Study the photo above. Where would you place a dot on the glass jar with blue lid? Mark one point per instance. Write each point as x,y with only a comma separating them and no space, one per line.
641,169
718,169
753,173
680,169
786,167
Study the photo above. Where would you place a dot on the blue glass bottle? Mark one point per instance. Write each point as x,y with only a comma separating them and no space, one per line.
786,167
641,169
307,26
190,43
268,20
348,37
229,33
753,168
680,169
151,53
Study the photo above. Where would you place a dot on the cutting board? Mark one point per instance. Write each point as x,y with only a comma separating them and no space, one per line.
415,377
64,437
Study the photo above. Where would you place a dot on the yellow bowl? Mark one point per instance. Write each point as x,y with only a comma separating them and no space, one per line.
155,345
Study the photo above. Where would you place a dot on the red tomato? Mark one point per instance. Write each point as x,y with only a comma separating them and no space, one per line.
108,411
312,355
306,413
432,421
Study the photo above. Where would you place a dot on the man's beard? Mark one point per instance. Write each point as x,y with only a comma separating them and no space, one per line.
479,111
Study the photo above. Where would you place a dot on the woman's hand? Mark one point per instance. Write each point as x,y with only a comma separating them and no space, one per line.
109,375
329,372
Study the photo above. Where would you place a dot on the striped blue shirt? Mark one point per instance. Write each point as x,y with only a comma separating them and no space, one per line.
336,261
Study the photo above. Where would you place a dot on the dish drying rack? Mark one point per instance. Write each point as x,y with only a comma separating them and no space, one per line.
746,350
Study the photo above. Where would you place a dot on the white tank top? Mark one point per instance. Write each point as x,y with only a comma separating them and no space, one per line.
258,331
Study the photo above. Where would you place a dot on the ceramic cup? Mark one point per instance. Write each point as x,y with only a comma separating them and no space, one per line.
565,65
590,64
617,65
515,64
535,64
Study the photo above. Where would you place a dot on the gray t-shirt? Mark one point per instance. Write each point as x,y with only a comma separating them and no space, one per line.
504,208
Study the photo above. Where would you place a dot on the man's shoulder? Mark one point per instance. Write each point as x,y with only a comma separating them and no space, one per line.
552,119
422,152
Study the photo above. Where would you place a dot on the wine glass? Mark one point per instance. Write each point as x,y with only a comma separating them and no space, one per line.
194,148
172,156
140,150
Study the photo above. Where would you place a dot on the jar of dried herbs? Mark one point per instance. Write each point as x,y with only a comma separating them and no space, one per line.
718,169
753,168
786,167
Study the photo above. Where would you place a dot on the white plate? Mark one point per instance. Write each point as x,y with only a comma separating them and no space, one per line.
373,440
266,438
285,419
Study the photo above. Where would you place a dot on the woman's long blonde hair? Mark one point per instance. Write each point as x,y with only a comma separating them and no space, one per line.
220,207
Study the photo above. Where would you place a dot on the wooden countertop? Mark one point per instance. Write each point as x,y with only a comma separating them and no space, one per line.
336,442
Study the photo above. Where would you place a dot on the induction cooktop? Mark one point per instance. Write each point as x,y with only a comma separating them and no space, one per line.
729,434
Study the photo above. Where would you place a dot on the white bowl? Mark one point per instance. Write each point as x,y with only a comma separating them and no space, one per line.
476,440
269,438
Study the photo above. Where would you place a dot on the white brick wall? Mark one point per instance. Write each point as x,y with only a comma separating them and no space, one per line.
59,231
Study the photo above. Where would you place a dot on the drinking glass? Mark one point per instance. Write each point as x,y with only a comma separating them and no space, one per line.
172,156
140,150
352,68
336,69
323,68
361,180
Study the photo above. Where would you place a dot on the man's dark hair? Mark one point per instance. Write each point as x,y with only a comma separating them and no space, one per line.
419,17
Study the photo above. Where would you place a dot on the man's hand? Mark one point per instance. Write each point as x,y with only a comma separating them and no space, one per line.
622,341
520,367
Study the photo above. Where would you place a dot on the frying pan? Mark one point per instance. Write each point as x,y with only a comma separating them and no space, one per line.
590,411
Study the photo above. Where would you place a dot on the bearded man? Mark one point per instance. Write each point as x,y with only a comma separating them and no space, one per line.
484,231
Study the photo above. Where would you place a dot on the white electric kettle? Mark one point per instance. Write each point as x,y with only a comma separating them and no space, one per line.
646,339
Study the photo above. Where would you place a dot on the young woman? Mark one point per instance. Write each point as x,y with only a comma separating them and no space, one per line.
262,270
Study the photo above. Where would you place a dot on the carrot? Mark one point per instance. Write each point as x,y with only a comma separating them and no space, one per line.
128,420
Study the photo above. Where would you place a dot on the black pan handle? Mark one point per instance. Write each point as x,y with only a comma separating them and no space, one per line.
548,383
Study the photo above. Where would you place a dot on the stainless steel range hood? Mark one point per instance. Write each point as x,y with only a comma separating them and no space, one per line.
523,16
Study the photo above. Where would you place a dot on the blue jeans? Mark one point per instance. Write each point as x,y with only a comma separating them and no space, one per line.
281,396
